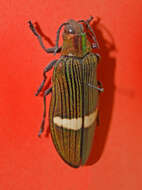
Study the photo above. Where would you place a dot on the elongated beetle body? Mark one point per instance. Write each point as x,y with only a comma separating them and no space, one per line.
73,111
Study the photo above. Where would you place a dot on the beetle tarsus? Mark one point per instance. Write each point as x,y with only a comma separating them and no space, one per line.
33,28
41,128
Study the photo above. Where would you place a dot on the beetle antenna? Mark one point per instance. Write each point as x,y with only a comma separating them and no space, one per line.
90,28
89,19
58,35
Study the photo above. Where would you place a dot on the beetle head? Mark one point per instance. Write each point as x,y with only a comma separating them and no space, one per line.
73,27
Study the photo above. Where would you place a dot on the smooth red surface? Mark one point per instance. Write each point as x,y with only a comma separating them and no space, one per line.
30,163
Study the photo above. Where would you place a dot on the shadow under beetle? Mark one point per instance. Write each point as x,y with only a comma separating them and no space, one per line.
73,113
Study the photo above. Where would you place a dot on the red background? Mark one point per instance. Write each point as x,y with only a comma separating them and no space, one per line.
30,163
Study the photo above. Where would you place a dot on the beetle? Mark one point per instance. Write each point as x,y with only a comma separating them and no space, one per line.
73,113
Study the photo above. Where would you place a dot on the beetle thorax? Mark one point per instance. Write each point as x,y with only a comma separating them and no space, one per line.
75,42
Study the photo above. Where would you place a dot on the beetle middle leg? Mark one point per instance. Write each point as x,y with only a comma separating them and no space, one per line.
47,92
99,87
48,68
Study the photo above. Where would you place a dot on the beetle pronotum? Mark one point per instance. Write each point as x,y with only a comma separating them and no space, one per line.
73,111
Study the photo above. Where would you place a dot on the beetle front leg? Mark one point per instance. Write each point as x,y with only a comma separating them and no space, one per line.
48,68
47,50
48,91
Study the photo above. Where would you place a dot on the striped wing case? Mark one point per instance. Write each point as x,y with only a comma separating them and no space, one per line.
73,109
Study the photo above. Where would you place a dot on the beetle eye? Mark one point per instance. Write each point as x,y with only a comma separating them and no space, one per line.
69,29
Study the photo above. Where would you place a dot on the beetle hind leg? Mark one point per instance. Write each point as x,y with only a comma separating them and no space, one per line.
48,91
98,119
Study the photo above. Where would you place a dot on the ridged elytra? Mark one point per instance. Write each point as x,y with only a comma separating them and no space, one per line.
73,111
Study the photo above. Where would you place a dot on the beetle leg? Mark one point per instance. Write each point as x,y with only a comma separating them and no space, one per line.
93,36
55,50
96,87
100,85
48,68
98,56
47,50
98,119
48,91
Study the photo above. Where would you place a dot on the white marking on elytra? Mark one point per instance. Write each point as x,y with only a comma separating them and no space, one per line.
75,123
89,120
70,54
